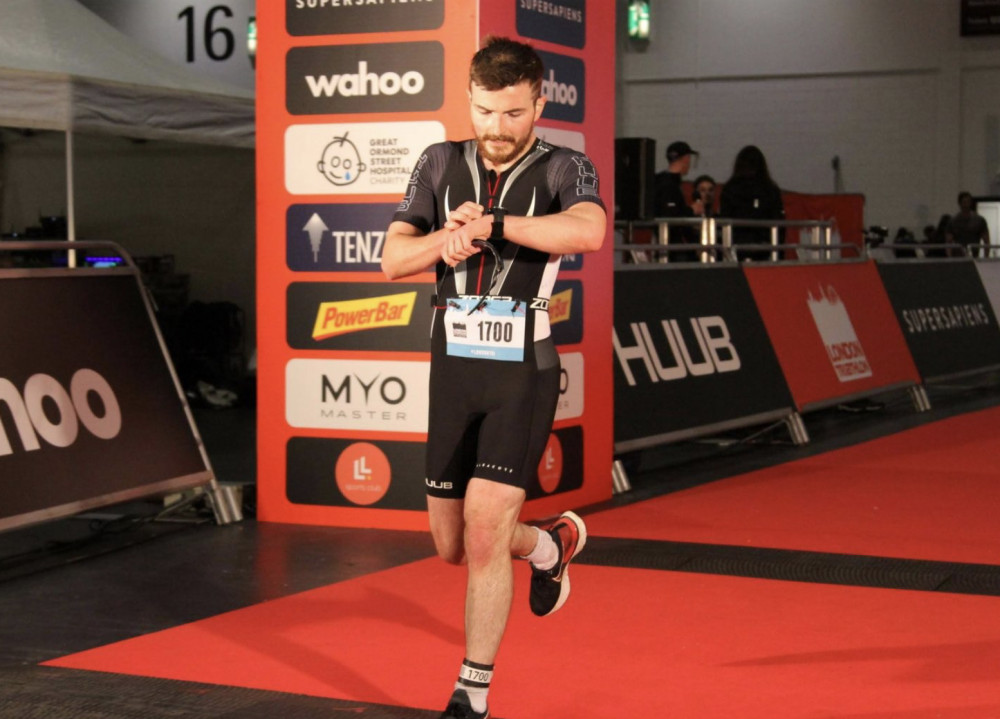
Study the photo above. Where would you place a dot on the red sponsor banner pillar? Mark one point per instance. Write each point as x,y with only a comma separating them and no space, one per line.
347,99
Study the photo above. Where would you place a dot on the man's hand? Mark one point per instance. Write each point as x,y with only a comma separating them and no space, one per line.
463,215
458,245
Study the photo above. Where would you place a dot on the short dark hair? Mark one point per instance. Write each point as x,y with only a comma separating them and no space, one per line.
962,194
503,62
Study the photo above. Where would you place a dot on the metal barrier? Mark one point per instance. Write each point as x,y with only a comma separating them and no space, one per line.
804,251
718,232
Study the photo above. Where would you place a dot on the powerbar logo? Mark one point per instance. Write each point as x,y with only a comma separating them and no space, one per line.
33,413
560,306
338,318
563,85
390,77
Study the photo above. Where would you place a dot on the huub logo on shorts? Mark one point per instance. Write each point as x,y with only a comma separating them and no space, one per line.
344,79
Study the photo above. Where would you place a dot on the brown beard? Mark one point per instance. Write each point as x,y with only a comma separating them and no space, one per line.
501,159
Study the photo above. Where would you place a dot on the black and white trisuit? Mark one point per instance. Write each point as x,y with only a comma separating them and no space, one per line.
494,368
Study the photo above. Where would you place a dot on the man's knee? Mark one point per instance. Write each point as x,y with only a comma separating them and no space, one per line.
450,548
447,528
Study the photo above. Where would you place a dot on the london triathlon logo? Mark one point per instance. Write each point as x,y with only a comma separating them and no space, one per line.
839,338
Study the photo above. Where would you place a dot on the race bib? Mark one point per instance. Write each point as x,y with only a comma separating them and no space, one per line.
490,329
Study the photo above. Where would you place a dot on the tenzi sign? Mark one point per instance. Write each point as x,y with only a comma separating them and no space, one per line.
89,412
690,351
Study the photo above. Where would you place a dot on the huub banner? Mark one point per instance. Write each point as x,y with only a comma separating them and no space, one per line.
89,413
690,351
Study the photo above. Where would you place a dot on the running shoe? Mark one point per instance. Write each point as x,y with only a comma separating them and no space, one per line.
460,708
550,587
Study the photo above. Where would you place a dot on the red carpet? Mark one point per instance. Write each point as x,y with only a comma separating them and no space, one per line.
630,643
927,493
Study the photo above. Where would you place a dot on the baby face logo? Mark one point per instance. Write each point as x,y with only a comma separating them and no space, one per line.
841,341
341,162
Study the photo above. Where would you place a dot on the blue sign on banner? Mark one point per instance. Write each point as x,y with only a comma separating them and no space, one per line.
563,22
945,315
563,85
337,237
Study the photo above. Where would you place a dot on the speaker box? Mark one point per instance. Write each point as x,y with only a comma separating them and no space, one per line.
635,163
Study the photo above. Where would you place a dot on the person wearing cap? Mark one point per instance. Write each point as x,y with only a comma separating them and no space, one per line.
669,199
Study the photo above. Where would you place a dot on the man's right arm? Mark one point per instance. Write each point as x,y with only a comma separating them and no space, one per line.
408,251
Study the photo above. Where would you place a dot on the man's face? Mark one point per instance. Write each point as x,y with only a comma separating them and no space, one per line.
504,120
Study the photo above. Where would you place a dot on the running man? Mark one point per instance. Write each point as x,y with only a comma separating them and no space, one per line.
495,214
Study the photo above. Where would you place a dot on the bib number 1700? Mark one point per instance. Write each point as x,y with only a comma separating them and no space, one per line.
494,331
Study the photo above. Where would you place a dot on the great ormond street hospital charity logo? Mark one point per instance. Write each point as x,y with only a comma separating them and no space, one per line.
341,162
841,341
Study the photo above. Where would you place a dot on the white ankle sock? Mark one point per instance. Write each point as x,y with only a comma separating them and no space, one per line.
477,696
546,553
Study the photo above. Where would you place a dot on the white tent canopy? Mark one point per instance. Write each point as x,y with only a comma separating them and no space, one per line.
64,68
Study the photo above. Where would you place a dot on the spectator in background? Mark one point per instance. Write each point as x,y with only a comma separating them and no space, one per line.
669,199
751,194
904,237
938,236
704,192
966,227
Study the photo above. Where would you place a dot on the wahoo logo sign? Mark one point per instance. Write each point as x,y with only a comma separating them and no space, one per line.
337,318
563,85
716,353
841,341
31,410
390,77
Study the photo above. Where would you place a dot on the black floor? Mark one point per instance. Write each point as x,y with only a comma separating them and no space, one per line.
111,574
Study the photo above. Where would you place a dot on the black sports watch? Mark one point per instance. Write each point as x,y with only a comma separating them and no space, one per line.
496,232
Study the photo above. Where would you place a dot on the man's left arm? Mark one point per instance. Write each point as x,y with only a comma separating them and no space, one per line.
579,228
